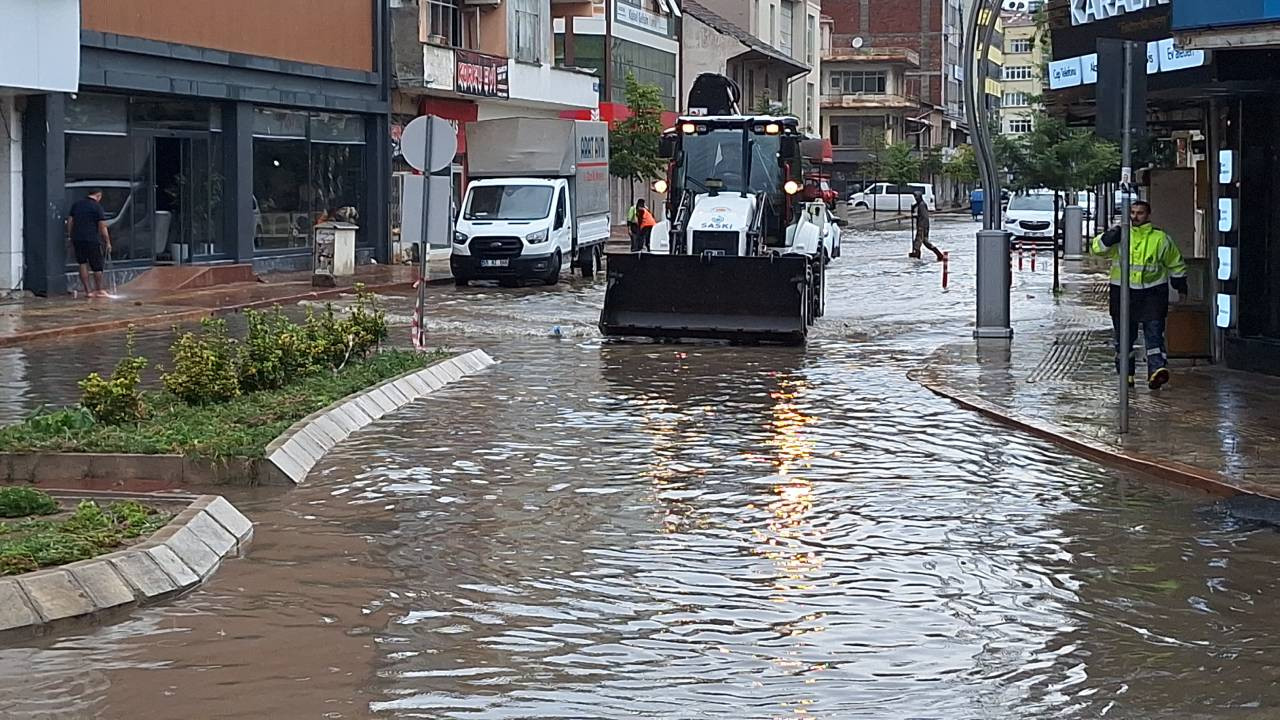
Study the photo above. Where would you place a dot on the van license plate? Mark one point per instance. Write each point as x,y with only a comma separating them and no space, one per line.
494,263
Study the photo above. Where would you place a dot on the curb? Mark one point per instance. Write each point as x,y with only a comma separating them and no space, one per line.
1168,471
182,316
299,448
176,558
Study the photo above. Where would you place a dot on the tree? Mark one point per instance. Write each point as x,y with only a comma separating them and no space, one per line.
931,164
901,165
873,141
1059,157
633,143
963,166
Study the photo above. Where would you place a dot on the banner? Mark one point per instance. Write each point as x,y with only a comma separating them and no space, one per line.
480,75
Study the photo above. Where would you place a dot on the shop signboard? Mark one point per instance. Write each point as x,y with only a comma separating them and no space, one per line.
643,19
481,75
1197,14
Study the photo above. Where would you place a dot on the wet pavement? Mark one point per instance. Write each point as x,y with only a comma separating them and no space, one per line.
610,530
1213,422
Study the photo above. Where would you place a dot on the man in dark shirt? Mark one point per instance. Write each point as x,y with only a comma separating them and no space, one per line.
87,228
920,213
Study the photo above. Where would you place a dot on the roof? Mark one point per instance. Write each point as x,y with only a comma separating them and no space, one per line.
697,10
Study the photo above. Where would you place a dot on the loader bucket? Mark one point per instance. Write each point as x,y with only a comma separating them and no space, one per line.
744,299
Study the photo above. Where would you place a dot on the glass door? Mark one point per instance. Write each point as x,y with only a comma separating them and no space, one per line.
186,187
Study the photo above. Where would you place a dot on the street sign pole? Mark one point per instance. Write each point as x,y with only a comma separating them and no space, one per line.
420,311
1124,351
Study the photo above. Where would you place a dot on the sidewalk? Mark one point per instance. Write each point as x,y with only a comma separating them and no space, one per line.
35,319
1210,428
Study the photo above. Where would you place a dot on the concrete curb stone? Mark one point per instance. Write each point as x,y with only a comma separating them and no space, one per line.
295,451
55,595
15,610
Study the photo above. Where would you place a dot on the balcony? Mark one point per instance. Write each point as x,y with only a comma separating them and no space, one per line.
842,49
869,101
40,45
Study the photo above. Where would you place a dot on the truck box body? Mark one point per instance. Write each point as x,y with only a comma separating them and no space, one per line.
577,150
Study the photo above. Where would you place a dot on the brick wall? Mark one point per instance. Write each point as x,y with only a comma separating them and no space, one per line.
912,24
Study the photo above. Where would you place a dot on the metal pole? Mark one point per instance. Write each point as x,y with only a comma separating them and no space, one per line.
1126,180
1059,223
426,235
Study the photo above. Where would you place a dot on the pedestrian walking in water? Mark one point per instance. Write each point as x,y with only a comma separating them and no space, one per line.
920,213
645,222
1155,265
87,231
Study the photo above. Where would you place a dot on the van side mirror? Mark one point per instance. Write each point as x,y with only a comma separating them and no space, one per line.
667,147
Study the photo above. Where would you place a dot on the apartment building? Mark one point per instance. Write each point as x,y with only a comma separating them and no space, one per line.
1022,74
466,61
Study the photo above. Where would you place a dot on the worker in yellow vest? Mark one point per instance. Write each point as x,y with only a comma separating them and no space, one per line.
1155,265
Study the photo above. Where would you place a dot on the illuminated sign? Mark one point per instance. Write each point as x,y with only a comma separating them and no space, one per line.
1087,11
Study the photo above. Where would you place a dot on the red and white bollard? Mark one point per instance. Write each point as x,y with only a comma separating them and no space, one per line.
1034,252
1019,255
946,269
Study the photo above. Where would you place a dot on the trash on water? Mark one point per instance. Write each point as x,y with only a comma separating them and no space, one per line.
556,331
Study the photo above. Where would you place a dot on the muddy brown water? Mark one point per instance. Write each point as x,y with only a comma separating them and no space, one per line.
613,530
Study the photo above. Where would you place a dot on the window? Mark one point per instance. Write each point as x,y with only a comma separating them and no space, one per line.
851,82
855,132
1019,45
527,30
1019,125
443,22
1017,72
1016,99
788,17
773,25
809,92
811,41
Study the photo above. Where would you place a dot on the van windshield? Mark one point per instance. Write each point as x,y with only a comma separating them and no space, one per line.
508,202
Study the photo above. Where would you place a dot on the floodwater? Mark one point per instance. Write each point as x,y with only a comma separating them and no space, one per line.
616,530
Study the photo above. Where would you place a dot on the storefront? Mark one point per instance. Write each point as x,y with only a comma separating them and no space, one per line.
209,156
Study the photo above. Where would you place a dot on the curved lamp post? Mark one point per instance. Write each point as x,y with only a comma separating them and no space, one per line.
994,278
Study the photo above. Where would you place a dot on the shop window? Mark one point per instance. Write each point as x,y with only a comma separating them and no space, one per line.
98,113
305,169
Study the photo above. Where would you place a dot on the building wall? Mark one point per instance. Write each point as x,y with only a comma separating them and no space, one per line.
40,44
1031,86
10,195
336,33
706,50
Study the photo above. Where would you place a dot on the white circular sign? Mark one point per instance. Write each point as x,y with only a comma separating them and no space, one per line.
444,144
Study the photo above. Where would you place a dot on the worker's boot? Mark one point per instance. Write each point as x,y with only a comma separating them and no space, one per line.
1158,379
914,254
939,254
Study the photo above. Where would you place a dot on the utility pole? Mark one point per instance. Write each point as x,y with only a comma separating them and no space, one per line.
1126,225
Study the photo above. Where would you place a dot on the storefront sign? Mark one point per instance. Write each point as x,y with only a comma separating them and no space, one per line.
480,75
642,19
1226,310
1087,11
1192,14
1064,74
1226,166
1226,263
1089,69
1226,214
1172,58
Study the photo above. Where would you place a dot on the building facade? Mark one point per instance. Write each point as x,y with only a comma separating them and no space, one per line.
765,74
1241,42
214,139
466,62
39,55
1022,73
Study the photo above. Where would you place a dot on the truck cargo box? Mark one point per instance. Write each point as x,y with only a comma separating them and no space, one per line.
545,147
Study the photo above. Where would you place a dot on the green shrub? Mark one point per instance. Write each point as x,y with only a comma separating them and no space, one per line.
366,324
326,341
117,400
205,366
23,501
272,352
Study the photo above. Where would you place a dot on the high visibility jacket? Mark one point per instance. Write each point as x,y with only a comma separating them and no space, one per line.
631,215
646,219
1153,258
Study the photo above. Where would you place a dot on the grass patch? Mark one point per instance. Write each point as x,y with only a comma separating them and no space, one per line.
239,428
16,502
90,530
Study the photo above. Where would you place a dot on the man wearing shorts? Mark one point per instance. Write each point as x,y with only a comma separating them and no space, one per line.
87,228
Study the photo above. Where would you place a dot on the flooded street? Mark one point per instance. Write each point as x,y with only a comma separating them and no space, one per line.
616,530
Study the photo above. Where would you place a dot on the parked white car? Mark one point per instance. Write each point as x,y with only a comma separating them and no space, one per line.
887,196
1030,217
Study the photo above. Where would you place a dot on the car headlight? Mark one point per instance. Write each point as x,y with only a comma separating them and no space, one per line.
460,237
540,236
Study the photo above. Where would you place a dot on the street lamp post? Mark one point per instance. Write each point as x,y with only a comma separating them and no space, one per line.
994,273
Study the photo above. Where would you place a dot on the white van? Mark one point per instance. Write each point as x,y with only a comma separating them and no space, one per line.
888,196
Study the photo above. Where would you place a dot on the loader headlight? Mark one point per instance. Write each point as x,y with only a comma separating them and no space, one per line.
660,187
772,129
688,128
540,236
460,237
792,187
